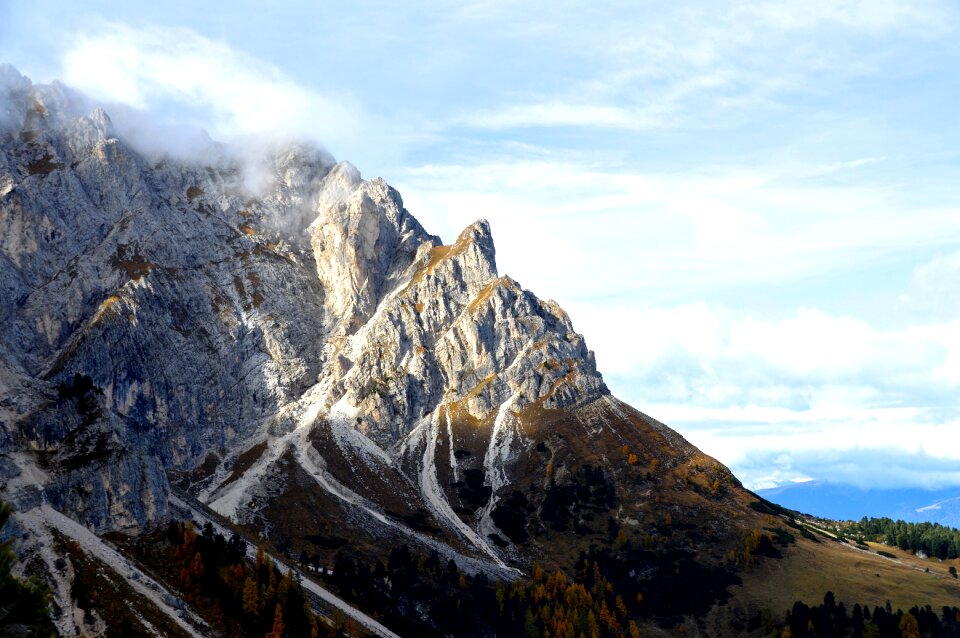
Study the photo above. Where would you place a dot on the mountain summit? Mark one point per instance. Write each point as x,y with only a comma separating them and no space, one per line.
304,362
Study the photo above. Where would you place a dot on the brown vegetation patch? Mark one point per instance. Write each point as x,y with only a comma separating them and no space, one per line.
184,480
245,461
558,383
480,387
438,254
256,298
219,303
238,285
382,484
468,443
107,308
305,517
305,510
193,192
487,290
810,569
461,420
98,588
43,166
136,266
706,513
108,303
266,248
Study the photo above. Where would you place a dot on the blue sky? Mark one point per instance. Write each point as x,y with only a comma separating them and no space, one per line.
748,208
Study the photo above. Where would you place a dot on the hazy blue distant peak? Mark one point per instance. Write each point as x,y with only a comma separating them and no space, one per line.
846,502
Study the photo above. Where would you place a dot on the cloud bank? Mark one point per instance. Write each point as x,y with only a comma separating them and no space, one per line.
812,395
777,387
178,82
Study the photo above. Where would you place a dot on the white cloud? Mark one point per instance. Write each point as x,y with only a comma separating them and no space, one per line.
749,387
816,389
842,441
922,17
867,467
683,65
574,230
847,165
552,114
810,350
179,74
934,286
667,106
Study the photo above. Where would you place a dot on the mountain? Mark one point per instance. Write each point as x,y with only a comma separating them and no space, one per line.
279,351
845,502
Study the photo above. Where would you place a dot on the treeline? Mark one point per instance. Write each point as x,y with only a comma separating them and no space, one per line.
609,591
240,599
425,596
669,582
834,619
553,605
933,539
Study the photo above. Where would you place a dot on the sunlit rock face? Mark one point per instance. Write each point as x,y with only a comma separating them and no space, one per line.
160,317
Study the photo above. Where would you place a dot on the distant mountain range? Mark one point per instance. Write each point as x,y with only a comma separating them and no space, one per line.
846,502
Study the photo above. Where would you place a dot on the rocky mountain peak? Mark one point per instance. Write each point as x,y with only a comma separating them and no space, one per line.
363,241
266,337
286,300
337,186
475,245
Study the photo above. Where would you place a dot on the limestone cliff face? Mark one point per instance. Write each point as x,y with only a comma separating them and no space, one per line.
158,319
280,341
363,241
456,331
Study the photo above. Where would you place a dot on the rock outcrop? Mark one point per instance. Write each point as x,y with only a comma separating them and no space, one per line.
277,341
280,341
159,318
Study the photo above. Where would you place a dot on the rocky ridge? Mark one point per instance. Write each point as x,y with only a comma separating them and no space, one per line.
305,359
157,316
